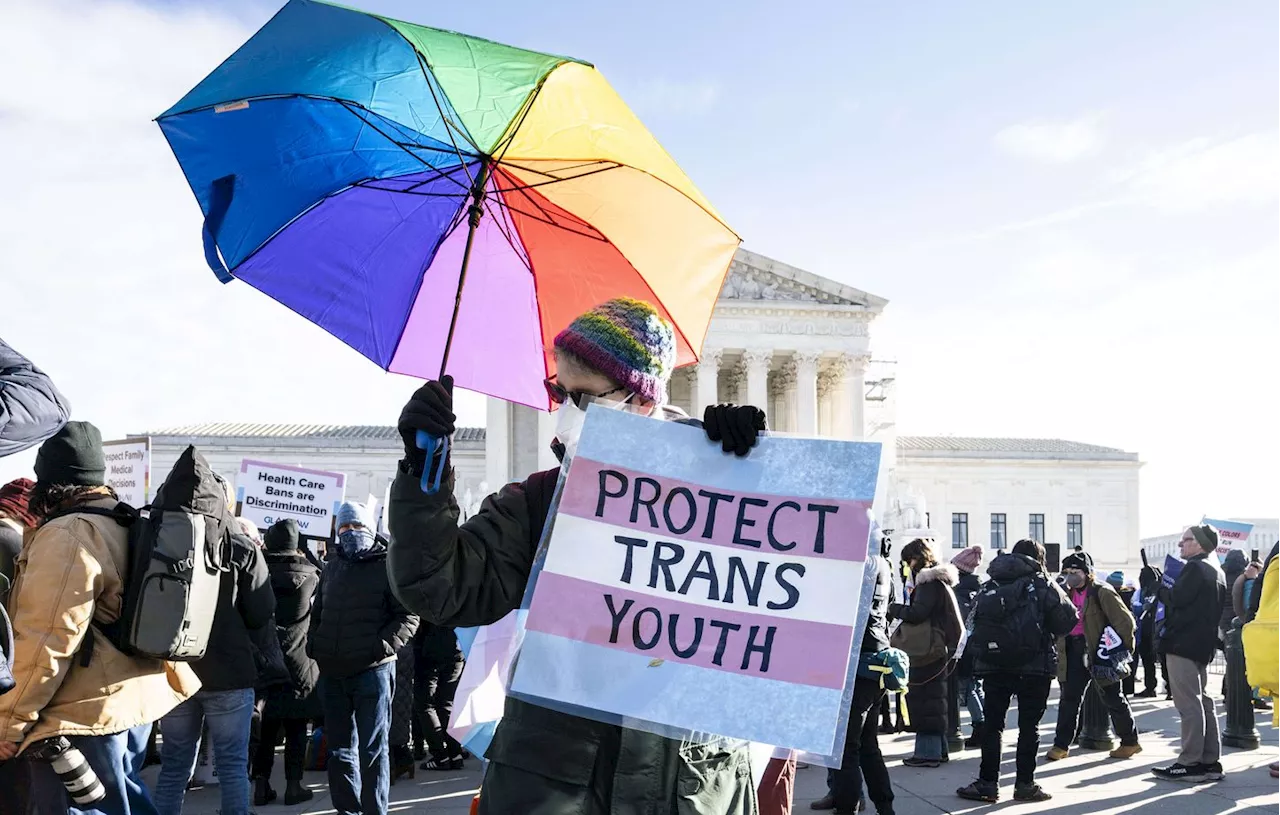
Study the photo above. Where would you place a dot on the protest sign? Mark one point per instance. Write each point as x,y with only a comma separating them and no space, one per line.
272,492
686,589
1231,534
129,469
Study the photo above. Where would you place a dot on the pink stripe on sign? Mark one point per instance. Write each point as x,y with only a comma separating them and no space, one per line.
798,651
747,520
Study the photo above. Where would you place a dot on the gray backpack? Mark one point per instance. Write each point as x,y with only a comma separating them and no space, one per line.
177,556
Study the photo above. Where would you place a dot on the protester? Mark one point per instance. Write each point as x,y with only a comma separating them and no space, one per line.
31,408
72,681
862,760
228,672
1193,608
1036,610
15,520
1241,594
933,620
1087,659
969,688
293,582
1147,632
439,666
1127,591
619,354
777,786
357,627
1233,565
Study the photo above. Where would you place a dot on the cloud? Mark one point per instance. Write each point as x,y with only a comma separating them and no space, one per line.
1053,142
675,97
1202,173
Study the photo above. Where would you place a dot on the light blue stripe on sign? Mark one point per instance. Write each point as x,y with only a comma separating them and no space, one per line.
779,465
674,694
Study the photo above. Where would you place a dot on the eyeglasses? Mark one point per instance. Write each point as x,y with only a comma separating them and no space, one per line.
559,394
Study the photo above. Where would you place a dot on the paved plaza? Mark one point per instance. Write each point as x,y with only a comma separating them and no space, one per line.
1087,782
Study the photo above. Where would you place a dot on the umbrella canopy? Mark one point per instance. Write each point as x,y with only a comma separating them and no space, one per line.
352,167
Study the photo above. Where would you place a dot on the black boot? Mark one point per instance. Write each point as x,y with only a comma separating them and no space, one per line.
401,763
295,793
974,742
262,793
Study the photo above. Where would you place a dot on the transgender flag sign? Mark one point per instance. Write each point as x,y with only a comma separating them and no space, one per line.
684,590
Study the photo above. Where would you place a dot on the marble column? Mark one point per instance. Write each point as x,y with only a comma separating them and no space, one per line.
829,409
708,374
855,393
757,361
807,392
785,382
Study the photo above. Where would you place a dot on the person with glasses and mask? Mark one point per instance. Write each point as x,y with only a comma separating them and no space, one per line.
1100,609
619,355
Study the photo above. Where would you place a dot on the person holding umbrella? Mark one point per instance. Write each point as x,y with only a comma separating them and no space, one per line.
618,354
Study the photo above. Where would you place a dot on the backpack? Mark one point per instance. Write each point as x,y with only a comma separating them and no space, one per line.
177,556
1008,626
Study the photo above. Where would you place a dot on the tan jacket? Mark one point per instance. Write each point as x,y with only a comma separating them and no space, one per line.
69,573
1102,607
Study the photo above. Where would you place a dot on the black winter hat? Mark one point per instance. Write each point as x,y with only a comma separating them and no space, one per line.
1205,535
73,457
282,536
1078,560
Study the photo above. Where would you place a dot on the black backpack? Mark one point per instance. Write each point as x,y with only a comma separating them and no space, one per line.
1008,625
177,555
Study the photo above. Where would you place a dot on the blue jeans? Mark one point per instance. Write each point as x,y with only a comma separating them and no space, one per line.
931,745
228,714
971,696
357,721
117,761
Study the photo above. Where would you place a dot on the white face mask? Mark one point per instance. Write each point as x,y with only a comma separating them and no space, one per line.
569,420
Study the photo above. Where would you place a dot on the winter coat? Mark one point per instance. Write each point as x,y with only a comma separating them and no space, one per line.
1058,614
294,582
1102,607
31,408
876,636
932,602
69,575
542,761
357,623
1193,608
245,606
1232,567
436,646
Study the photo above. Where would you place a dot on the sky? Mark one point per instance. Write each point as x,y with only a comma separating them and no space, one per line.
1072,209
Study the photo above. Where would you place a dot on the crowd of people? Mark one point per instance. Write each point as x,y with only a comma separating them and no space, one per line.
360,645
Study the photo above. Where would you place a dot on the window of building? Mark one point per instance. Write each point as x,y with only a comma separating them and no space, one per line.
1035,527
999,530
1075,531
928,521
959,530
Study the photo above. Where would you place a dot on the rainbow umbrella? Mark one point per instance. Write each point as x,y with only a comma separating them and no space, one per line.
434,199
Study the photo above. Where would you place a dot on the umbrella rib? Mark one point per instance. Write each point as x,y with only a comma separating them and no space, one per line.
345,104
546,174
554,180
524,113
449,125
412,189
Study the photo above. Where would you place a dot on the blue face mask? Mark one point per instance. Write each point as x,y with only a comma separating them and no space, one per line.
355,541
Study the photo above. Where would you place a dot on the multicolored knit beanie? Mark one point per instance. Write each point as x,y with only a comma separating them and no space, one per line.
627,341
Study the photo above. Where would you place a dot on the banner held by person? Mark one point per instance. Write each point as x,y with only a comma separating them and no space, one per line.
1231,534
129,469
684,589
268,492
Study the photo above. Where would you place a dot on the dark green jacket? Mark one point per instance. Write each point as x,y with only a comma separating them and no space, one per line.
544,762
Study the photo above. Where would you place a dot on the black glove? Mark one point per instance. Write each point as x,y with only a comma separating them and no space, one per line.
736,427
894,612
1149,578
430,409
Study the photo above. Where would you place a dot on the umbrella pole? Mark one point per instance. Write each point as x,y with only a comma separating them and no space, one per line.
474,213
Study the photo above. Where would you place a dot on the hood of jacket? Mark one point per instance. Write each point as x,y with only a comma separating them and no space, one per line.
1008,567
943,573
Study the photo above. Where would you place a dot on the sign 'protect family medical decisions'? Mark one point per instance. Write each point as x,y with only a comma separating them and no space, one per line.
688,588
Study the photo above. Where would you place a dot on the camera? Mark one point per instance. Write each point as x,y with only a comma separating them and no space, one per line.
72,768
